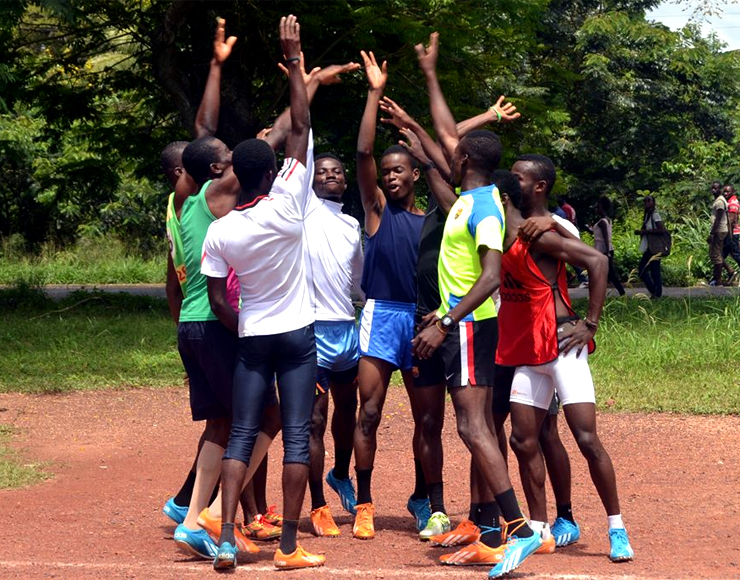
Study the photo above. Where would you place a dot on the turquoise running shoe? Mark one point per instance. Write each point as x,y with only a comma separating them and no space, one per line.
421,510
196,542
517,550
225,558
565,532
175,512
345,490
621,550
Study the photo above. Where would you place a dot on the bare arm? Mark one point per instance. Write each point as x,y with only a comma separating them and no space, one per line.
173,290
501,112
217,297
296,145
373,200
533,227
206,119
441,190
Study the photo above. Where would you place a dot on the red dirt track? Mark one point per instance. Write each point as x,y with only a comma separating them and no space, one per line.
117,455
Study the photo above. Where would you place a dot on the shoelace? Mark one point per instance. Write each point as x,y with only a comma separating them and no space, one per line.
506,534
489,529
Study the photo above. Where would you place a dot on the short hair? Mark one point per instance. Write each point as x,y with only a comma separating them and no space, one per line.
171,156
506,182
400,149
605,203
544,169
198,156
329,156
483,149
251,159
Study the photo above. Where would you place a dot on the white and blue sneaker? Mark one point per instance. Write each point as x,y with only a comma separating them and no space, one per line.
421,510
196,542
621,551
517,550
175,512
345,490
565,532
225,558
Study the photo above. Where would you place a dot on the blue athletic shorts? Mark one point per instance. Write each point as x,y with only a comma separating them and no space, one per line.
337,344
386,331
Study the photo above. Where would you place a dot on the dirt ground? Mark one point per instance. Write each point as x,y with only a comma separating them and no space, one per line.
116,456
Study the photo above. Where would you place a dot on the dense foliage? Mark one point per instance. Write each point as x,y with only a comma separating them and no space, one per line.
91,91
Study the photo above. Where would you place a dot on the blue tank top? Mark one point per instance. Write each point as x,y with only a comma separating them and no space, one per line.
389,272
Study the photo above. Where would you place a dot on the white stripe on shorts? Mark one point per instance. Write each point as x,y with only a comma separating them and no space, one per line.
366,324
464,377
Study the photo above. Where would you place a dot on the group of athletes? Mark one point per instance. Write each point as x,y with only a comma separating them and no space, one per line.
468,298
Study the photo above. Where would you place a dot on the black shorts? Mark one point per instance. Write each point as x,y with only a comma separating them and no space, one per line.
469,353
504,376
427,372
325,376
208,352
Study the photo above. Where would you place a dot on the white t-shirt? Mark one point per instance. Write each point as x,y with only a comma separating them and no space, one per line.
649,225
335,251
264,244
567,224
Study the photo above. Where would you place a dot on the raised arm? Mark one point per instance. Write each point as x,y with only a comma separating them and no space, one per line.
373,200
501,112
296,144
206,119
441,190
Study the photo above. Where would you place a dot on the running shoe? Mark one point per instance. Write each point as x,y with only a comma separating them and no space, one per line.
420,509
298,559
364,528
621,551
260,529
438,524
323,524
345,490
175,512
475,554
565,532
548,546
517,550
196,542
272,517
225,558
465,533
213,527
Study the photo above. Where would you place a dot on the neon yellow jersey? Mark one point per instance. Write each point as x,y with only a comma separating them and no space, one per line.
476,220
174,237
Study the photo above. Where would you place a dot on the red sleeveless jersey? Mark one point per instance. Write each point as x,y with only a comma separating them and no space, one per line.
528,328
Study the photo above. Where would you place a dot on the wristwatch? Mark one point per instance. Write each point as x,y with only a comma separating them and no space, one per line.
447,322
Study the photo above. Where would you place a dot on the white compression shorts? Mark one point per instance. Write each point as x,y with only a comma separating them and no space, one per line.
569,375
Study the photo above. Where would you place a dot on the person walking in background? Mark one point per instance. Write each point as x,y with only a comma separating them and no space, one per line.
649,268
717,233
731,247
602,233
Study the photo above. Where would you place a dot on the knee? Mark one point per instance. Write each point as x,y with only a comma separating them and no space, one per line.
431,426
468,430
318,425
589,445
369,419
522,445
217,431
295,444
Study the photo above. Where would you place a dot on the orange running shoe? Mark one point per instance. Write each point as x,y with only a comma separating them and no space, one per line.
213,527
465,533
364,529
475,554
298,559
272,517
547,547
259,529
323,523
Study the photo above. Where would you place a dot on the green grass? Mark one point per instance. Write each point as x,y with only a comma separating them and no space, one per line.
13,472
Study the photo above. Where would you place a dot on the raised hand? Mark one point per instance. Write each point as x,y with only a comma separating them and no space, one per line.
329,75
264,133
377,76
302,67
290,37
413,146
399,117
222,48
428,55
505,110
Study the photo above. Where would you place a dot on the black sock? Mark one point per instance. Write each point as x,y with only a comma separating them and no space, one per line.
437,497
473,513
186,491
317,494
420,491
214,495
227,534
363,485
288,536
565,511
342,458
488,514
510,510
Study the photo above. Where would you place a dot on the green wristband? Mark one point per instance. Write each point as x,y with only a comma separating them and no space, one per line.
495,110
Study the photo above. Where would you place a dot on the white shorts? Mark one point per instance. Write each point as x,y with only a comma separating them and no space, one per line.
568,375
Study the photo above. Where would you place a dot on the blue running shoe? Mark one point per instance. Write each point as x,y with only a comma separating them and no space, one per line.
175,512
225,558
565,532
345,490
517,550
196,542
421,510
621,550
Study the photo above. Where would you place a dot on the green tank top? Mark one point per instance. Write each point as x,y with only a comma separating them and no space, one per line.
195,218
172,223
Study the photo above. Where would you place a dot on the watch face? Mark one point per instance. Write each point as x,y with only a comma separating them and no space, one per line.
447,321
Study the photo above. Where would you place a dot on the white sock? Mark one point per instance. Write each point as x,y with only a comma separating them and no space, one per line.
539,527
615,522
